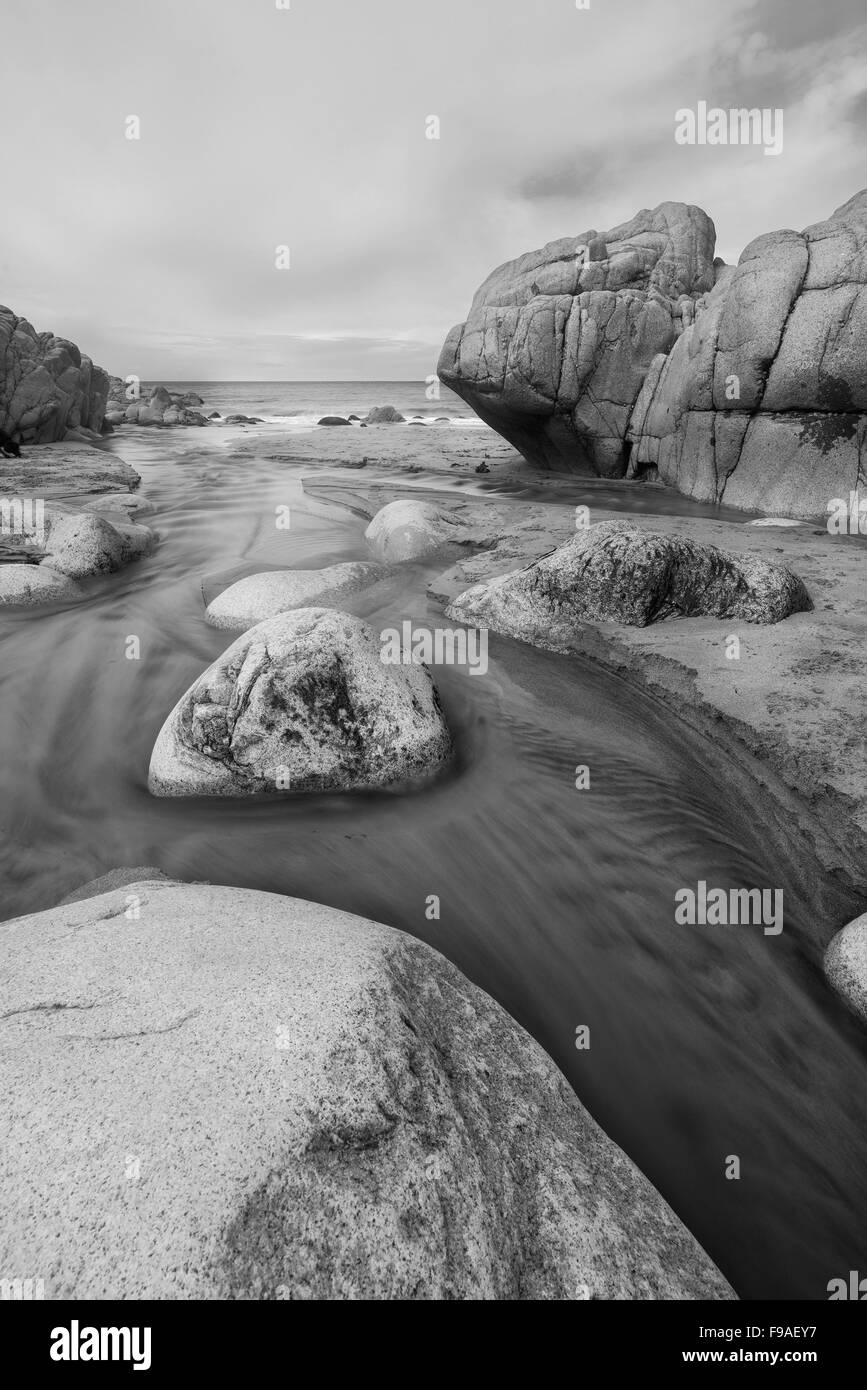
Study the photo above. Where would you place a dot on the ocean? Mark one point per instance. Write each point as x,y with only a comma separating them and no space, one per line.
299,404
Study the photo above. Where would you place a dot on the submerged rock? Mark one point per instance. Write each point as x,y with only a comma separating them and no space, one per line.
618,572
126,504
239,1095
301,702
407,529
262,596
846,964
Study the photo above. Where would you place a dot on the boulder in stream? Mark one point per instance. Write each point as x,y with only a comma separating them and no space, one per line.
262,596
301,702
232,1094
846,965
408,529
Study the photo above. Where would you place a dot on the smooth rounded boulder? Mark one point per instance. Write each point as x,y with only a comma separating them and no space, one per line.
384,415
846,965
80,544
262,596
31,585
228,1094
302,702
409,529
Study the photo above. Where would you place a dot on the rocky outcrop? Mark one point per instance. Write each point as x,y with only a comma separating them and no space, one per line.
618,572
762,403
635,354
846,965
153,405
302,702
558,343
48,387
216,1093
262,596
407,530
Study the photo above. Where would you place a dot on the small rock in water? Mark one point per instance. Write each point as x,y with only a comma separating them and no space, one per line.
301,702
332,420
407,529
262,596
385,415
482,468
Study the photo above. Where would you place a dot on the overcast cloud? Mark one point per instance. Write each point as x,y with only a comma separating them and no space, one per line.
306,127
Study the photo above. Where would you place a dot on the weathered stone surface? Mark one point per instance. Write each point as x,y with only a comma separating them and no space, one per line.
240,1095
47,385
31,585
743,385
262,596
762,403
846,964
407,529
384,415
301,702
122,504
64,470
81,544
618,572
557,343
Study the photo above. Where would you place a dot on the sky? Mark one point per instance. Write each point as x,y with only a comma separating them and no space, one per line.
306,127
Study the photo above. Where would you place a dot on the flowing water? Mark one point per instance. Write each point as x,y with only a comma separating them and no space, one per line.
705,1042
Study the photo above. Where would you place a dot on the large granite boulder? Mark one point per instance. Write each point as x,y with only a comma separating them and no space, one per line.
618,572
216,1093
48,387
557,343
30,586
762,403
384,415
636,354
301,702
260,596
846,965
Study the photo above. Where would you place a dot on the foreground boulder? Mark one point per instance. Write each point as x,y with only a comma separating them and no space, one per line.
618,572
634,353
846,965
48,387
408,530
302,702
216,1093
262,596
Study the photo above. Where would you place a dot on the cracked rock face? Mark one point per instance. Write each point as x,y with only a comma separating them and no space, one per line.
557,343
787,330
240,1095
262,596
407,530
619,572
47,386
301,702
743,385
